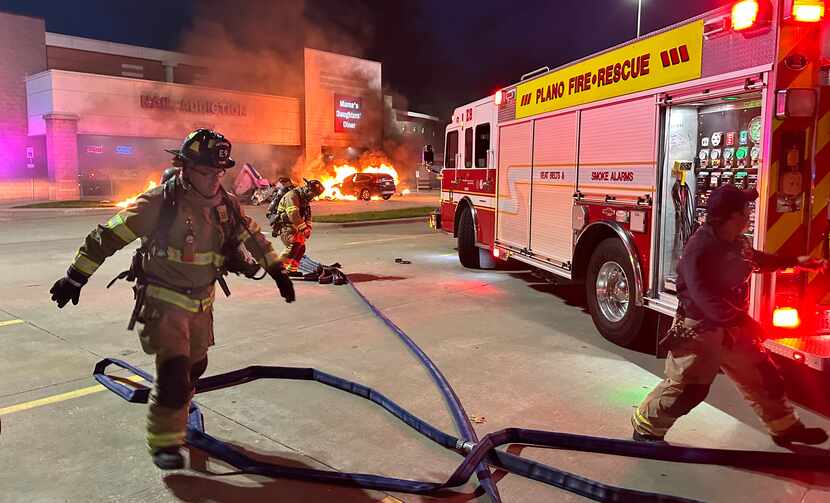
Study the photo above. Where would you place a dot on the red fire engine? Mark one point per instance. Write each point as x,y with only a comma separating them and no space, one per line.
599,171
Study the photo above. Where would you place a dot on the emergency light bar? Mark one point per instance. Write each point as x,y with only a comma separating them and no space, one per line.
498,97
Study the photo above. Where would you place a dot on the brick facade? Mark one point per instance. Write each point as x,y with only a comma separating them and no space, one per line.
23,52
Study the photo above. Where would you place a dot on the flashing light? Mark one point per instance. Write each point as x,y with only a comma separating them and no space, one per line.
786,317
496,252
499,97
798,357
808,11
744,14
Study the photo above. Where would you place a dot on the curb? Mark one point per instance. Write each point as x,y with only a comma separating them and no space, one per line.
57,211
366,223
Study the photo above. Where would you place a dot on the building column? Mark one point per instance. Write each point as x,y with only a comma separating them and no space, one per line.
62,156
169,73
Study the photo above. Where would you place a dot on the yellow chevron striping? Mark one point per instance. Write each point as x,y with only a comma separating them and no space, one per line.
781,231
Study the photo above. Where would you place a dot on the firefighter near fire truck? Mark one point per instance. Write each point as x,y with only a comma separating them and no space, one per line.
191,231
292,222
713,330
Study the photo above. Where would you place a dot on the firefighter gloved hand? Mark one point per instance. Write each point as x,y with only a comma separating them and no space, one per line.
307,231
284,284
812,264
68,288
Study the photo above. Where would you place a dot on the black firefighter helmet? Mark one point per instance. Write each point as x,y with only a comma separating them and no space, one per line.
313,188
204,147
169,173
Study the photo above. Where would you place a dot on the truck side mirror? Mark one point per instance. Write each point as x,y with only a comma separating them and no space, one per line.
429,155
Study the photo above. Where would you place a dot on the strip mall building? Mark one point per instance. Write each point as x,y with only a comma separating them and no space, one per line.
88,118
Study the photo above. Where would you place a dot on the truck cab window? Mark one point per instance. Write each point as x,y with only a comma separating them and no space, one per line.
451,150
468,148
482,144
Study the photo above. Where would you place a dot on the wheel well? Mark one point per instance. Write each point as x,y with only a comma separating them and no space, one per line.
587,243
463,205
591,237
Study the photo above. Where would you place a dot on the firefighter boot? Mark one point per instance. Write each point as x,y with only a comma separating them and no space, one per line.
650,439
798,433
168,458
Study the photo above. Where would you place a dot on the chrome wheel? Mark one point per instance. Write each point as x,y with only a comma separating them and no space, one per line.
612,291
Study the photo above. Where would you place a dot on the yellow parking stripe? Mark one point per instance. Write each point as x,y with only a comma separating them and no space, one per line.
58,398
11,322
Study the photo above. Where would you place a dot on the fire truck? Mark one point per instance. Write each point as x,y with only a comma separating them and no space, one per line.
599,171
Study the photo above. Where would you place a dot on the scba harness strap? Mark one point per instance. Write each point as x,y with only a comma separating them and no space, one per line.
157,244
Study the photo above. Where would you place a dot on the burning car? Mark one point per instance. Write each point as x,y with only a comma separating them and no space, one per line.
365,185
368,183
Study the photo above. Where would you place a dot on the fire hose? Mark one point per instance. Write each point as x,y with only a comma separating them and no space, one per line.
477,453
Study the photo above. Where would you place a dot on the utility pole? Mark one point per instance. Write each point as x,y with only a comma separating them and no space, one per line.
639,15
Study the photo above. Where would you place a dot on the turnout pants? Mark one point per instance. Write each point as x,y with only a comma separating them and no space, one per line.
179,337
691,367
294,249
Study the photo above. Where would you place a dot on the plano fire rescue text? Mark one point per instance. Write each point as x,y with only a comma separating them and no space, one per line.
605,76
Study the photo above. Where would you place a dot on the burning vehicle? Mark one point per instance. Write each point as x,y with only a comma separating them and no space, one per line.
366,185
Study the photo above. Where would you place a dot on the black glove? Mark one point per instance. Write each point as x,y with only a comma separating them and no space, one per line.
68,288
284,284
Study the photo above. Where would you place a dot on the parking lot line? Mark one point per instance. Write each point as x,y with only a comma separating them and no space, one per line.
58,398
11,322
384,240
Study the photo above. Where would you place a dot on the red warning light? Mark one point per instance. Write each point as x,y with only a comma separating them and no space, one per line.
786,317
744,14
499,97
808,11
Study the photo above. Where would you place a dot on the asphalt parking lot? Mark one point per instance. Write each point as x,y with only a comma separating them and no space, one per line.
518,353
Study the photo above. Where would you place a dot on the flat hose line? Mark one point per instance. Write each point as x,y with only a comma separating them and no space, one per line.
478,453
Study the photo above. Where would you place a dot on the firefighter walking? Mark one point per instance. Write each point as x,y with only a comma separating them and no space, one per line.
292,222
189,226
713,329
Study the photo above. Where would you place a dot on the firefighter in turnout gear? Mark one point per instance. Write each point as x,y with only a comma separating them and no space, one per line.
713,329
293,222
189,226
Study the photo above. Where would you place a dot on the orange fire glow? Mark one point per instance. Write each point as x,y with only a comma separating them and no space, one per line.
342,172
130,200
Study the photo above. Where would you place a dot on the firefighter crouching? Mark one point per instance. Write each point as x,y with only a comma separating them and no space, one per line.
713,329
292,222
189,226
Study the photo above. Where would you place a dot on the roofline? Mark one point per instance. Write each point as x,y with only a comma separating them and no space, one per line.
306,49
10,13
161,84
418,115
118,49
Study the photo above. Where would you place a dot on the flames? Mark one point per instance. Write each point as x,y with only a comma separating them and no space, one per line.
344,171
131,200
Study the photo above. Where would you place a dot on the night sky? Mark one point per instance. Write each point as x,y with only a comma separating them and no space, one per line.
436,54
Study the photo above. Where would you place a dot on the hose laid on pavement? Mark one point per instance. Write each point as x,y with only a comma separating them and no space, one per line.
482,452
478,453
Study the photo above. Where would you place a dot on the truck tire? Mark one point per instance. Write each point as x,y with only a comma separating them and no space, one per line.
386,197
467,250
610,293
